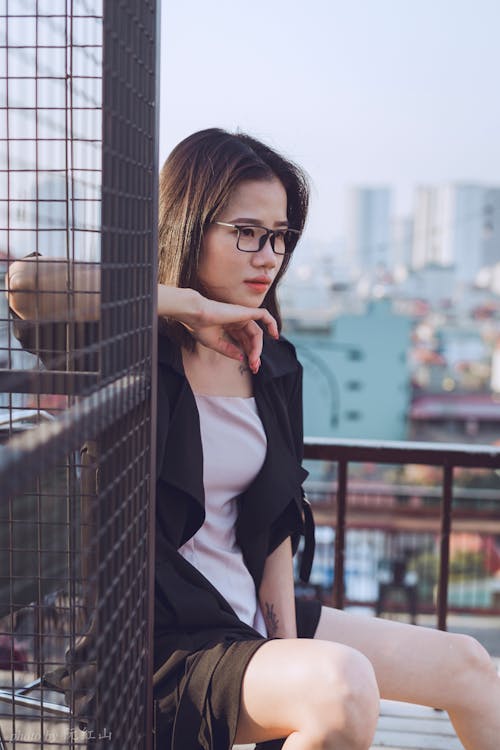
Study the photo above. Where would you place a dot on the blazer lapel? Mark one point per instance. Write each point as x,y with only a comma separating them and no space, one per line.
180,457
182,464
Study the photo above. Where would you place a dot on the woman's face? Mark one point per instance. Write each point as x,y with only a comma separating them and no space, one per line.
228,274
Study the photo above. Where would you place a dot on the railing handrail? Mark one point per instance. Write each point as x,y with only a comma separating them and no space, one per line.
31,452
376,487
401,451
344,451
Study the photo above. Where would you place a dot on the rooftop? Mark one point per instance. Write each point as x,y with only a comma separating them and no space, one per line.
456,406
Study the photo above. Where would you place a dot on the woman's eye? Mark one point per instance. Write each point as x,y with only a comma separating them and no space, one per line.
280,234
247,231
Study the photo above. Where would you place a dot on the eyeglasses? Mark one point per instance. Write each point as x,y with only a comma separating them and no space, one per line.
252,238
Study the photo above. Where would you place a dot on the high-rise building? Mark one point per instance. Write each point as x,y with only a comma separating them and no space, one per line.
402,241
491,227
470,201
369,230
457,225
431,236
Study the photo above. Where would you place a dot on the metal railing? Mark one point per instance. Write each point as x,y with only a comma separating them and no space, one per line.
446,456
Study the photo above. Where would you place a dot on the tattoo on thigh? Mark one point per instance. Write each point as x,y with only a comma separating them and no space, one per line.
271,619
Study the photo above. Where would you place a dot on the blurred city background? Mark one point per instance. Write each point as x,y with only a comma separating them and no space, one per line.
393,297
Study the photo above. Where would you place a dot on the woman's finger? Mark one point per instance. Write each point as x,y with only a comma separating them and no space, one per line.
229,349
233,330
222,313
217,339
254,341
265,317
251,337
270,323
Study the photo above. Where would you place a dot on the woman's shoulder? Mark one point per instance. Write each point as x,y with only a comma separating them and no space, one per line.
169,351
279,357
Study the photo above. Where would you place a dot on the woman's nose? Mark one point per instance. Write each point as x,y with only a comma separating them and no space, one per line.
266,256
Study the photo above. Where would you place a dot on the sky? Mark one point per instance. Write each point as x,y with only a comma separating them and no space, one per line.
375,92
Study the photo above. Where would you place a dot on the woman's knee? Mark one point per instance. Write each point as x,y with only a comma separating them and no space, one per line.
346,699
324,690
470,659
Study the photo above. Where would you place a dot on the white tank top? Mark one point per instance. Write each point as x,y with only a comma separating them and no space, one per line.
234,448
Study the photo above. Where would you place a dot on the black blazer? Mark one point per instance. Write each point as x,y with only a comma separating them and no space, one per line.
190,614
270,510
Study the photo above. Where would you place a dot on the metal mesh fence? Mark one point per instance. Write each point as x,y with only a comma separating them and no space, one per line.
78,190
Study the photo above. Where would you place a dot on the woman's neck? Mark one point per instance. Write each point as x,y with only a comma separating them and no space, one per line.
214,374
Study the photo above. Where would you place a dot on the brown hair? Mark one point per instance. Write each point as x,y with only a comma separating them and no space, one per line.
196,183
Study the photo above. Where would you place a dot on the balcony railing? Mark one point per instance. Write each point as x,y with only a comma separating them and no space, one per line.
448,457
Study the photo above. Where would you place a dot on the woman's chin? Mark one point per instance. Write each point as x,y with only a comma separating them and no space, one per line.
245,299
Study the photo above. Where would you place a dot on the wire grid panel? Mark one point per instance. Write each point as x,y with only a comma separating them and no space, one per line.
78,173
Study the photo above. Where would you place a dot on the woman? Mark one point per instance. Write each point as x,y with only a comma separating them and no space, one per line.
235,659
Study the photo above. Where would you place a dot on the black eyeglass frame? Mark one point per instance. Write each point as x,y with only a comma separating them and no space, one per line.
269,234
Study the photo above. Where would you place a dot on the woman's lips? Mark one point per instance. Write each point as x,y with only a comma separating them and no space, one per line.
258,285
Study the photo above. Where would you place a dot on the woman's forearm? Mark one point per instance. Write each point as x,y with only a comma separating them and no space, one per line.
51,289
46,289
276,593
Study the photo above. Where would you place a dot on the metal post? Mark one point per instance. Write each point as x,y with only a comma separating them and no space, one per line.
444,560
338,581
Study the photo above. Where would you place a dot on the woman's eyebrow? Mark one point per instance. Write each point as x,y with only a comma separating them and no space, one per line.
256,222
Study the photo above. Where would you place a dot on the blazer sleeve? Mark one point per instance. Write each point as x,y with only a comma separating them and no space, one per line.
295,410
59,345
291,521
296,520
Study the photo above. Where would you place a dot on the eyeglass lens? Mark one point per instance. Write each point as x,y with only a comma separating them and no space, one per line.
252,239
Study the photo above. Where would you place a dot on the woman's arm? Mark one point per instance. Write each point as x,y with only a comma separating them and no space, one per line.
47,289
276,593
51,289
229,329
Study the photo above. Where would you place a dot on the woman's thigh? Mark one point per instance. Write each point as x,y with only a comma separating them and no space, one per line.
412,663
293,685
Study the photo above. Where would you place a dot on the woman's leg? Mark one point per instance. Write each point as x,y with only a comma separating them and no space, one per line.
320,696
421,665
